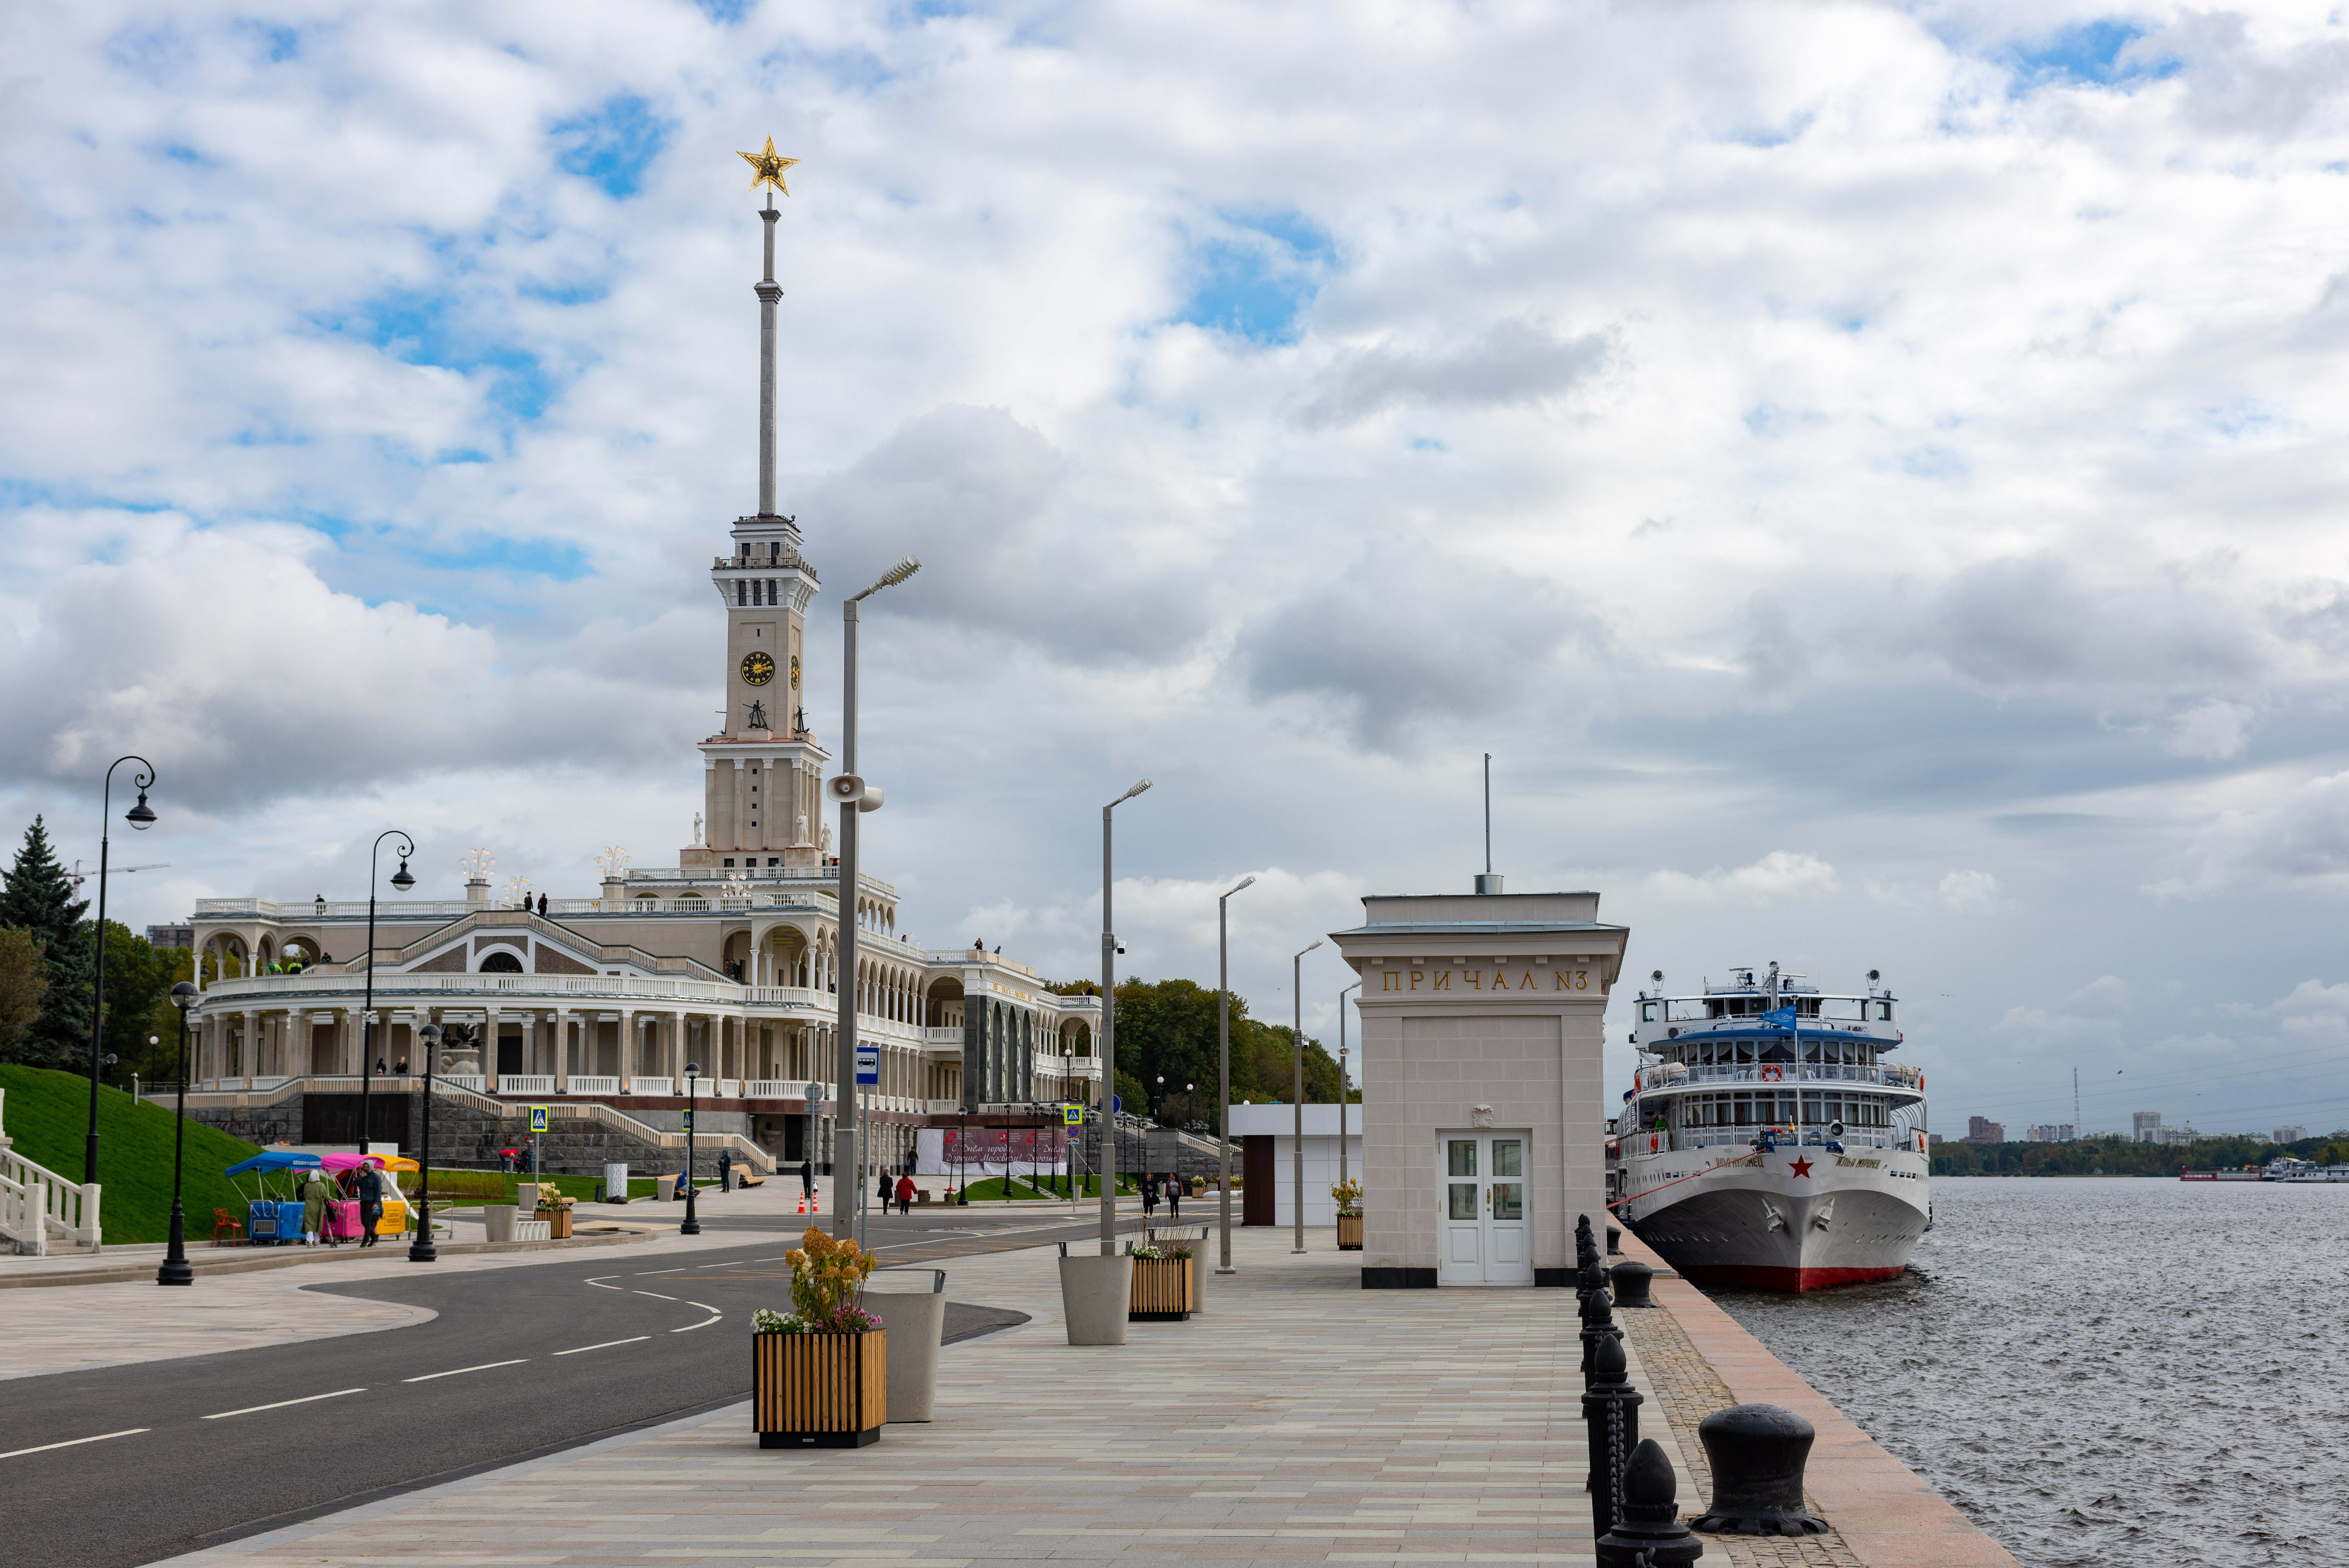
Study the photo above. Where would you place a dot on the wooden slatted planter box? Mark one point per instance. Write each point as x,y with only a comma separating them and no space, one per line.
1164,1291
819,1390
1350,1233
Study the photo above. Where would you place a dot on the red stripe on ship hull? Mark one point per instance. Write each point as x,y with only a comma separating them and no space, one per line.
1768,1277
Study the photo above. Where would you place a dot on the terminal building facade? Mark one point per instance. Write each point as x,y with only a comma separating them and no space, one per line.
727,960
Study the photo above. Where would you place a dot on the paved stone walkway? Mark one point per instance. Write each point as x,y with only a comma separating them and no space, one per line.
1301,1418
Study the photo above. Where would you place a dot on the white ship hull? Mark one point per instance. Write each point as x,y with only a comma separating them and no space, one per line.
1787,1219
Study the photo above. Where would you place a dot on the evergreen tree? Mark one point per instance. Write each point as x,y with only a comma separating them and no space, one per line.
36,898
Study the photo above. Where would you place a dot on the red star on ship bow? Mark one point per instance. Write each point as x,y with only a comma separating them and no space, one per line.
1799,1168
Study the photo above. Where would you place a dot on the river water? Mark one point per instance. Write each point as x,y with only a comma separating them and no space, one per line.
2105,1370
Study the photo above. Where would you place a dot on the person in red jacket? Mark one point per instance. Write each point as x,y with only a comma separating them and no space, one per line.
905,1195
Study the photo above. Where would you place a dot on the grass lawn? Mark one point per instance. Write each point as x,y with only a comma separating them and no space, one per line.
47,1114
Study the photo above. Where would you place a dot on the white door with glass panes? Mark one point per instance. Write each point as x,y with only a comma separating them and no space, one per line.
1487,1238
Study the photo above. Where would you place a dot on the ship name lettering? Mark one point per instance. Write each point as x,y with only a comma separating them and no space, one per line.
1863,1164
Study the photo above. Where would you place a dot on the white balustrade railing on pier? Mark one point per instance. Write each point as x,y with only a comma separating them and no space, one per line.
525,1083
478,1082
580,1084
38,1206
774,1088
656,1086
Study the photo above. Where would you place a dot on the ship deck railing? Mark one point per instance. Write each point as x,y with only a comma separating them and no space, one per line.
1679,1075
1749,1137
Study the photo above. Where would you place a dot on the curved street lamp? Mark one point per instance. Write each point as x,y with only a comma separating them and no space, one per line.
1224,1060
403,881
1297,1039
175,1269
1109,1036
141,818
422,1250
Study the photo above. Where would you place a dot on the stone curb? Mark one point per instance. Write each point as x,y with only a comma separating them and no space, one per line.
293,1257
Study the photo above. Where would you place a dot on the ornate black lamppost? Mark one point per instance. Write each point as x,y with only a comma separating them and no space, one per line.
142,819
421,1250
175,1269
692,1227
403,881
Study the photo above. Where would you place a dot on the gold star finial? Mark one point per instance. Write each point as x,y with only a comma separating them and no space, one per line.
767,168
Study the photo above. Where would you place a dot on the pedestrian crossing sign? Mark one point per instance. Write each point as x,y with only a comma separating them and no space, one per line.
1072,1116
538,1119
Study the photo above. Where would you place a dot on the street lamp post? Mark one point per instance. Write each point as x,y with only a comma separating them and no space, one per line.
854,797
175,1269
142,817
1342,1090
1109,1028
422,1250
403,881
1297,1039
1224,1061
692,1227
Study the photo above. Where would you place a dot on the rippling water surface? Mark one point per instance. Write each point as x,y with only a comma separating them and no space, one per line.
2105,1370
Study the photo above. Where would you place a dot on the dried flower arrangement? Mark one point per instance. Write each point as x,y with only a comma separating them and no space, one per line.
1350,1197
827,1282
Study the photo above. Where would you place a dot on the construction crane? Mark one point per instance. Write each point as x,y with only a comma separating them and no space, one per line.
76,878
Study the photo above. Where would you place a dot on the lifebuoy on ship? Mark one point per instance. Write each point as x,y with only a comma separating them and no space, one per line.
1774,1072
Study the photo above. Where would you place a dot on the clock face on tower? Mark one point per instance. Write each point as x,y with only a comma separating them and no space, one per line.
758,669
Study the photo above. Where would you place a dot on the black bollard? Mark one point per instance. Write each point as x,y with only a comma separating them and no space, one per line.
1630,1284
1610,1414
1614,1241
1757,1453
1648,1531
1597,1323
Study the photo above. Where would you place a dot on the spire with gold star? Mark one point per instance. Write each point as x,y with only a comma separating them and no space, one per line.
767,168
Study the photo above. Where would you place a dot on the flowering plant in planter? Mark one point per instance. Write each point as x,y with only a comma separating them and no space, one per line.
1350,1199
548,1198
827,1283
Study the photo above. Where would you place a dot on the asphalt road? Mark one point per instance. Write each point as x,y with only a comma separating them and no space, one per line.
521,1361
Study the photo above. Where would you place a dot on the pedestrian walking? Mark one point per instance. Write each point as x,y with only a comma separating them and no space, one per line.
807,1179
314,1209
370,1204
886,1191
726,1170
1174,1197
906,1194
1149,1196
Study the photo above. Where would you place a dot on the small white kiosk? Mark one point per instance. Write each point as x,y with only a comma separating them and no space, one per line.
1484,1099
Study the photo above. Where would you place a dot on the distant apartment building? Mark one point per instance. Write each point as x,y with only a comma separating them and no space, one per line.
2147,1126
2290,1134
172,936
1982,1129
2051,1132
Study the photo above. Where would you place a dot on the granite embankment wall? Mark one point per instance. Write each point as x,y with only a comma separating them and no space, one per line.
1885,1514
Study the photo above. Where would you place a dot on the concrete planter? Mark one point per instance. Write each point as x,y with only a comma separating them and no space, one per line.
819,1390
916,1319
500,1219
1350,1233
1093,1293
1163,1289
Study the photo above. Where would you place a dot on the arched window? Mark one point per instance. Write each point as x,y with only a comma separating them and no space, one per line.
501,964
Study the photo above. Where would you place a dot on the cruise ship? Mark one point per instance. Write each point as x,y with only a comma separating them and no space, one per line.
1765,1140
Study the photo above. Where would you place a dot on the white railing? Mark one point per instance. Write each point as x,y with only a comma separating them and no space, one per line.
1748,1137
948,1035
943,1107
652,1086
478,1082
593,1085
525,1083
37,1205
774,1088
1674,1075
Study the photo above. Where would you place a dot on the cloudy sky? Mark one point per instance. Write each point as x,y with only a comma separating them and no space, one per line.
1871,475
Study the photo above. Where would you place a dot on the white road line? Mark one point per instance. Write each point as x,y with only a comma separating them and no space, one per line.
599,1284
705,1306
656,1295
76,1442
606,1346
455,1371
650,1273
714,1315
305,1400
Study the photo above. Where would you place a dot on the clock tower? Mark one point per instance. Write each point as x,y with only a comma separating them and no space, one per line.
763,772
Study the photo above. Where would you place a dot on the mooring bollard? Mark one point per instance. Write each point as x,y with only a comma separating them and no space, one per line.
1757,1453
1648,1531
1628,1283
1610,1414
1614,1241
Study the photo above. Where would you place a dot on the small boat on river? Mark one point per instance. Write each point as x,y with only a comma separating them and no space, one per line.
1766,1141
2283,1168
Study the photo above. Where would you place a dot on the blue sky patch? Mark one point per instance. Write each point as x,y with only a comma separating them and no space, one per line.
1257,277
611,146
558,559
2090,52
416,328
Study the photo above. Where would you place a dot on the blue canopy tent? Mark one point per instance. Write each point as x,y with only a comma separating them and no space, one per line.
269,1218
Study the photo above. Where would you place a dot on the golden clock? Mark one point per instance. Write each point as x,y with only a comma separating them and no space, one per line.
795,672
758,669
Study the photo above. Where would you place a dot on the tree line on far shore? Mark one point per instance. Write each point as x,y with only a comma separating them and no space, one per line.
2115,1155
1167,1029
49,975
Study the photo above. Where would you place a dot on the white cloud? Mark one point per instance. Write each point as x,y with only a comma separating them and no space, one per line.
1780,874
1969,892
2213,731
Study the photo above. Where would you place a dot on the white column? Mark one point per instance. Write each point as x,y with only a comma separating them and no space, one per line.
562,1051
627,1063
490,1045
